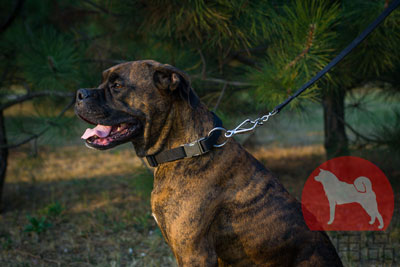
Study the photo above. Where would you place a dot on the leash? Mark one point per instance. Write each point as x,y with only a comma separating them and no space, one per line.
249,125
205,144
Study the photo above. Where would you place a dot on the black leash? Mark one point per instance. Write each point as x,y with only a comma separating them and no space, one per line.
205,144
342,54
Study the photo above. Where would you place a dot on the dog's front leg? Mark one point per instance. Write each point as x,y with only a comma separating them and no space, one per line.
332,205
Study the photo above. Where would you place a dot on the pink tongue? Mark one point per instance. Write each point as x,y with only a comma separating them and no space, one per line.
100,130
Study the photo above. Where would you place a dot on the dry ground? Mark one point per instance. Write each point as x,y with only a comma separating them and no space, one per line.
91,208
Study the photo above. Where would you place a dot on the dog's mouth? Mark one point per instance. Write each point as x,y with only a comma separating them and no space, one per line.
105,137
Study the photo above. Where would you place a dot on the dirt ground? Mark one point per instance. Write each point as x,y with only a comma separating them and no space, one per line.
71,206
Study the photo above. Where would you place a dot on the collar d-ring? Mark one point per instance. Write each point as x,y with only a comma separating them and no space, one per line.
222,130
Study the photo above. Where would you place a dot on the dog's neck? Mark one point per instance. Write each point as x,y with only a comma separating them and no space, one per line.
189,124
183,124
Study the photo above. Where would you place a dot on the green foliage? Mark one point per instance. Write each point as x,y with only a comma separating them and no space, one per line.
275,46
53,210
36,225
377,55
304,46
49,215
206,24
50,61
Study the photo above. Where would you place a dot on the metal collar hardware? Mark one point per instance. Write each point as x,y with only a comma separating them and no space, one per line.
244,127
205,144
249,125
194,149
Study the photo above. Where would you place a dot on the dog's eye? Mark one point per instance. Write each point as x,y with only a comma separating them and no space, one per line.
117,86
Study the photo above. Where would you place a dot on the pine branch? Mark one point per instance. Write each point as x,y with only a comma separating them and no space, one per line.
243,59
108,61
35,136
220,97
307,47
23,142
13,15
86,38
252,50
204,67
31,95
356,133
102,9
216,80
247,60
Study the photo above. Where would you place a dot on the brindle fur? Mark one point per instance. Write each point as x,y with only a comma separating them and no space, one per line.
223,208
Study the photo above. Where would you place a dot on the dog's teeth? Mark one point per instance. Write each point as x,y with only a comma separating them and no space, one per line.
118,129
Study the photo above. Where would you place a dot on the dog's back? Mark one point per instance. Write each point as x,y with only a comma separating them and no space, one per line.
270,220
254,220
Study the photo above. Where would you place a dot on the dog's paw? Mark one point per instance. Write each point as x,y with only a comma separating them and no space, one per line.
330,222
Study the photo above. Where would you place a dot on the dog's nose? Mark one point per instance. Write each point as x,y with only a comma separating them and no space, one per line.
82,94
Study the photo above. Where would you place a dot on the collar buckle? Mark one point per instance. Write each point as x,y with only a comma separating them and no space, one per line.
194,149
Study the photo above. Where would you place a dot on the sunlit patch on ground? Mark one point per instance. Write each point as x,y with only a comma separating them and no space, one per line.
72,206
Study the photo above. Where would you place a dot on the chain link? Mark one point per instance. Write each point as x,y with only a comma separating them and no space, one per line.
245,126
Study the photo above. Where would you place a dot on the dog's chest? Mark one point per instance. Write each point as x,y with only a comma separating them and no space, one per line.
165,199
183,206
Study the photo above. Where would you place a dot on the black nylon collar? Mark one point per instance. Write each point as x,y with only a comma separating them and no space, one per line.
196,148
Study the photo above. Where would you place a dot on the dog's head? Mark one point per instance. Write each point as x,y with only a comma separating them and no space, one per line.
132,102
321,176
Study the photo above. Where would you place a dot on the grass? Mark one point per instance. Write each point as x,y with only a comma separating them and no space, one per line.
72,206
88,210
97,205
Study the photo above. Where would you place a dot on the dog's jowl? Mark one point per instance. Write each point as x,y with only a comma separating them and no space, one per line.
221,208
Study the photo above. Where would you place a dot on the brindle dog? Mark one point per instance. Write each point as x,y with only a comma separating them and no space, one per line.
221,208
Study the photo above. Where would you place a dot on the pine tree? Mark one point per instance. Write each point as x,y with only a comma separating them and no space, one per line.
254,53
37,62
312,33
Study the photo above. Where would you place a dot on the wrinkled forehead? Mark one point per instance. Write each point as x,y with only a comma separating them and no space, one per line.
130,70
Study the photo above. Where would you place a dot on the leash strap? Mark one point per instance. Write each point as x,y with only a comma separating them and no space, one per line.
205,144
249,125
342,54
196,148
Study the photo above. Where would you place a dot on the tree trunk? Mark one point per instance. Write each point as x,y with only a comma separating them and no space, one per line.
3,155
336,141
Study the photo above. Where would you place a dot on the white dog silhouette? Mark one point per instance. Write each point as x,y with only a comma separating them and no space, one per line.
339,192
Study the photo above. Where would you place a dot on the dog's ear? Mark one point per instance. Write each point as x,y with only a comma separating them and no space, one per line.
167,81
167,77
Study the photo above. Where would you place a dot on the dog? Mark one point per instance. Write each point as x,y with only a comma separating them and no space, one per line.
339,192
221,208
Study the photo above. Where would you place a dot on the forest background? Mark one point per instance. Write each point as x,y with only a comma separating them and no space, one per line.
243,57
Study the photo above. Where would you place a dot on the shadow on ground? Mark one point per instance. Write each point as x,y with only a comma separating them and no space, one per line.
64,211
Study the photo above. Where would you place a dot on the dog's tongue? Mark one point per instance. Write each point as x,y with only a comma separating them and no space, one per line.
100,130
